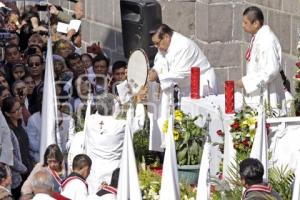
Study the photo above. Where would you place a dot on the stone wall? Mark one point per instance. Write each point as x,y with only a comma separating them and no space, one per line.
216,25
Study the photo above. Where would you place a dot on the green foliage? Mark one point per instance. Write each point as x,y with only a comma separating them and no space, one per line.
150,183
141,141
281,180
189,139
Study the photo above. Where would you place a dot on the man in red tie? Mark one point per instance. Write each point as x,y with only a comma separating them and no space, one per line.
263,59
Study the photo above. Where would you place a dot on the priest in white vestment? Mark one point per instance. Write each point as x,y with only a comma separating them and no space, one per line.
263,61
176,56
105,135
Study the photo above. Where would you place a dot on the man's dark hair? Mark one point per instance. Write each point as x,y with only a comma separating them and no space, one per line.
252,171
10,46
161,30
80,161
100,57
3,171
254,13
72,56
118,65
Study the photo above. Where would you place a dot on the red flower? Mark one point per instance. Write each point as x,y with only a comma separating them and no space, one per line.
220,133
298,64
212,189
297,76
235,125
220,175
246,143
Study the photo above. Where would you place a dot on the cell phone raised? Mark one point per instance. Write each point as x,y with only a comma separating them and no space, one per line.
45,7
74,1
41,7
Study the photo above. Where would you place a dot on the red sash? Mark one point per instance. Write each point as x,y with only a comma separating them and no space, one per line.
261,188
248,52
110,189
56,177
73,178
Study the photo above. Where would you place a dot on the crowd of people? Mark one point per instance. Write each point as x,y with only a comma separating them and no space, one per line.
77,75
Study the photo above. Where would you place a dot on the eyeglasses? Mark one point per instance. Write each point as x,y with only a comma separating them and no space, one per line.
34,64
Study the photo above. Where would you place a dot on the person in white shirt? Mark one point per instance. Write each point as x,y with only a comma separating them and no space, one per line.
42,185
104,144
75,186
263,59
176,56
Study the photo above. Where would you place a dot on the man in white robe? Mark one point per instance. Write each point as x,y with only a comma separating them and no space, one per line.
105,136
263,61
176,56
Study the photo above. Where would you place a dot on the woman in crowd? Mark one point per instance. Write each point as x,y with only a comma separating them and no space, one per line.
23,163
54,163
29,84
18,71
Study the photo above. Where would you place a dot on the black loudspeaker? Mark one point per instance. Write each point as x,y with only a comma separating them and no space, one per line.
139,17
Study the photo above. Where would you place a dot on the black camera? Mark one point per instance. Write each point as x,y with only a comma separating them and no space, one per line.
45,7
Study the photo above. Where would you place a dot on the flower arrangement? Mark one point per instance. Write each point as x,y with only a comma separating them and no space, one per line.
297,85
189,138
150,184
243,130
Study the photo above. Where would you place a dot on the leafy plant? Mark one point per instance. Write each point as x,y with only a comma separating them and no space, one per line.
150,183
189,138
141,143
281,179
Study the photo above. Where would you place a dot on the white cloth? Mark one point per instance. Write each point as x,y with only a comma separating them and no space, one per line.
284,145
169,182
260,144
76,147
105,137
49,110
181,55
203,189
128,184
42,196
75,190
296,188
103,197
6,148
264,65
